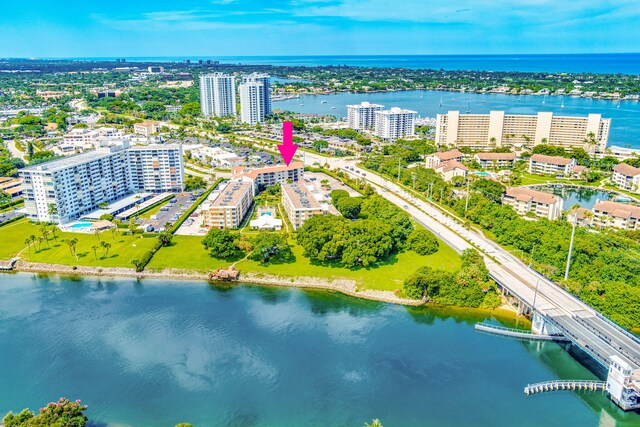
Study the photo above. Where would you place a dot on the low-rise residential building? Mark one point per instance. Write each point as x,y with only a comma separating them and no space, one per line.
11,186
146,128
551,165
540,204
266,220
617,215
270,175
299,204
230,207
626,177
435,159
495,160
579,171
450,169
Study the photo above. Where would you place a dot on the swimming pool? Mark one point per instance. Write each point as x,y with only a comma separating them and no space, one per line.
80,226
482,173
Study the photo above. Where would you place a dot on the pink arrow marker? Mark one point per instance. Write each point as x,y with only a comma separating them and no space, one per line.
287,148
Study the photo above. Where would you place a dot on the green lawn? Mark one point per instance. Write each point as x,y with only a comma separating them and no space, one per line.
123,248
187,252
529,179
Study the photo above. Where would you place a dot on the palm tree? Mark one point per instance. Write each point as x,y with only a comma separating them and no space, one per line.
97,234
72,246
52,210
27,242
105,248
374,423
135,262
53,232
114,233
40,240
95,247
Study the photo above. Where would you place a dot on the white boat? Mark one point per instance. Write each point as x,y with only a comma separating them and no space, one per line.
441,101
323,102
562,105
544,99
302,105
333,108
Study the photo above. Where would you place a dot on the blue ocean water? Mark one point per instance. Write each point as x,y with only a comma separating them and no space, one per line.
625,63
160,352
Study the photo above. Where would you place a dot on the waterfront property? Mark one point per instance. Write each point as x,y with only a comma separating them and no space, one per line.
551,165
497,129
65,189
495,160
300,204
230,207
395,123
626,177
435,159
269,175
615,214
526,201
362,116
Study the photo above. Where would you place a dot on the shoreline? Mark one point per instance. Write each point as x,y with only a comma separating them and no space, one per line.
344,286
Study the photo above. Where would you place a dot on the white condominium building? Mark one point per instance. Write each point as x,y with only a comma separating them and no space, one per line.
65,189
252,103
265,80
230,207
626,177
497,129
540,204
269,175
217,95
555,165
395,123
362,116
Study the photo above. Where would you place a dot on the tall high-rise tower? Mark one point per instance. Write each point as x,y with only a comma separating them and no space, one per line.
217,95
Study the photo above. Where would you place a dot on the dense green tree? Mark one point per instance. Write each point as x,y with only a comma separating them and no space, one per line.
337,194
271,248
165,238
194,183
62,413
222,244
423,242
349,207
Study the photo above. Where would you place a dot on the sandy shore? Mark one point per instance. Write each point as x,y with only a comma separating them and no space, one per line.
345,286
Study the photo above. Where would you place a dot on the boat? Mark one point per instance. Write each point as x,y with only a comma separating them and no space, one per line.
440,101
302,105
333,108
544,99
323,102
562,105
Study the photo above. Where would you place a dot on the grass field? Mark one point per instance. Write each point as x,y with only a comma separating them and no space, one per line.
187,252
529,179
123,248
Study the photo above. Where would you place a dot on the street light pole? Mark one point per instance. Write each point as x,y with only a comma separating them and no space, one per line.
531,255
535,295
572,218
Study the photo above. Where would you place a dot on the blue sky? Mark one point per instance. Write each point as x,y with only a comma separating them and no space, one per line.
85,28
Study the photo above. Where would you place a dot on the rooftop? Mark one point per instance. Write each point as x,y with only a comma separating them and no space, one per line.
449,155
496,156
300,196
626,169
253,173
232,194
553,160
527,195
617,210
450,165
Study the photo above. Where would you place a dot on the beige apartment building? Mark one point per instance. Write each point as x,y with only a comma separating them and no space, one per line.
230,207
270,175
300,204
525,200
617,215
497,129
551,165
626,177
433,160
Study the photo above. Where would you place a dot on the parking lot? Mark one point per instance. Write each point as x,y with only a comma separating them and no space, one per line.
169,212
6,216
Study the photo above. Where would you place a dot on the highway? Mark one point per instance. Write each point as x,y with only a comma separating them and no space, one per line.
584,326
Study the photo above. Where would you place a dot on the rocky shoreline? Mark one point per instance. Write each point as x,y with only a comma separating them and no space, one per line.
344,286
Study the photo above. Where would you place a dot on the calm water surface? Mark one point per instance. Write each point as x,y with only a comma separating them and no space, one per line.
157,352
624,124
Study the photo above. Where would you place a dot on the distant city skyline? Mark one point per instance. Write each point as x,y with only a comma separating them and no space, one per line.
316,27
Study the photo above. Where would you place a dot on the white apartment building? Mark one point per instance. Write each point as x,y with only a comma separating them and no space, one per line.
265,80
524,200
76,185
495,160
617,215
433,160
626,177
252,103
217,95
497,129
450,169
300,204
551,165
395,123
230,207
362,116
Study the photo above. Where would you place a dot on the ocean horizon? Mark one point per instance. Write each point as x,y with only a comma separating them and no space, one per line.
598,63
